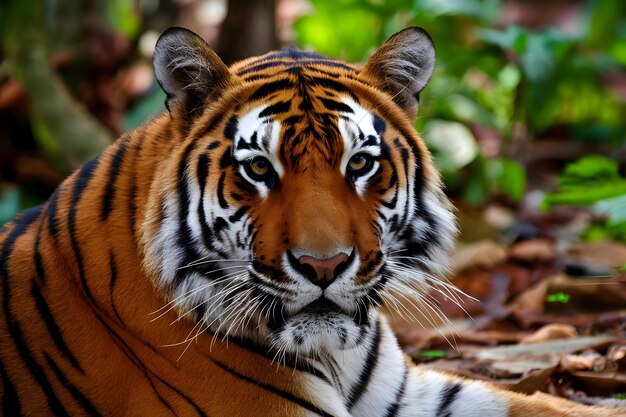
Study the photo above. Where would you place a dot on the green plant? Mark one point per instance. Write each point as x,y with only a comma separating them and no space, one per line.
514,82
594,181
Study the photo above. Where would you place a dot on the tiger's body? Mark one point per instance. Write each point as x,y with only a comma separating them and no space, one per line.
228,258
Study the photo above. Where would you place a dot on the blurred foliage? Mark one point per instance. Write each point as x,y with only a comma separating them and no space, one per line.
513,82
594,181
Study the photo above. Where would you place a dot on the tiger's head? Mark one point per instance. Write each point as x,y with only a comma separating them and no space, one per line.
298,197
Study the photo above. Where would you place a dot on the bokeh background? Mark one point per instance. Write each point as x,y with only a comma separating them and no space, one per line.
525,116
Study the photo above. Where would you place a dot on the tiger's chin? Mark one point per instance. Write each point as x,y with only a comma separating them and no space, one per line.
318,329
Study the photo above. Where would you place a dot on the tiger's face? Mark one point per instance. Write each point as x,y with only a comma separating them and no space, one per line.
301,198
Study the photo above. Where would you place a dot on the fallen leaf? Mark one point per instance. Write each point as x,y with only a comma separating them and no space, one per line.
617,354
601,383
601,253
537,250
552,347
551,332
481,254
575,362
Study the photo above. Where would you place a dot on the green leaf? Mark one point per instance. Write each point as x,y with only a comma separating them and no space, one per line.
587,181
513,37
433,354
542,52
558,297
9,203
592,168
122,17
615,208
508,177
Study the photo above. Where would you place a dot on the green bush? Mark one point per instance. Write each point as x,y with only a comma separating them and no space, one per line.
511,81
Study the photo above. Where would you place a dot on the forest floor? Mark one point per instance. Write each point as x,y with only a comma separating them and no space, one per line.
541,312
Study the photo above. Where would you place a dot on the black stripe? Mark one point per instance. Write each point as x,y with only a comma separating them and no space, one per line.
287,360
114,170
231,129
379,125
219,225
220,191
448,396
39,268
281,393
20,225
276,108
74,392
112,282
366,373
300,63
13,325
393,408
184,205
239,214
226,159
185,396
80,184
52,326
287,53
53,227
271,88
10,400
334,105
183,195
329,83
132,197
202,173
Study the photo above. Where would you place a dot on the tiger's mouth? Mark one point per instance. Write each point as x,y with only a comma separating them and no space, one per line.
322,306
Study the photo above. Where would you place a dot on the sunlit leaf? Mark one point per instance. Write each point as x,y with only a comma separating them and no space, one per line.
433,354
615,208
452,143
558,297
123,17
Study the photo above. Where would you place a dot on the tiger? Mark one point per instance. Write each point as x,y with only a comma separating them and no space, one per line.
233,255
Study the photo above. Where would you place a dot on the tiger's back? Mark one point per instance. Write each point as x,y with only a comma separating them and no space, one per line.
229,257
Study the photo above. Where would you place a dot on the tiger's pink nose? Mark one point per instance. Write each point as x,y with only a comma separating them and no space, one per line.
322,272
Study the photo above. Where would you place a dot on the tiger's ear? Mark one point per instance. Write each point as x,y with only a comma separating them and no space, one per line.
403,66
188,71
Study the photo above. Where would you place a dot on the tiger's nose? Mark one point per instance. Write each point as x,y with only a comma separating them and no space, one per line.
322,272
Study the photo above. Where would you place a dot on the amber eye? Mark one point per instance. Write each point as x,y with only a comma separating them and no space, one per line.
359,164
259,168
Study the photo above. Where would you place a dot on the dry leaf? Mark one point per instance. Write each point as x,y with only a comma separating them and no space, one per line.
553,347
538,250
551,332
482,254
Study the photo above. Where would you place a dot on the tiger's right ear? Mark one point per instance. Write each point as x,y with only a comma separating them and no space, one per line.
403,66
188,71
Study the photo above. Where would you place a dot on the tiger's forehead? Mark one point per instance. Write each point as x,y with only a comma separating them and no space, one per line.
297,140
290,60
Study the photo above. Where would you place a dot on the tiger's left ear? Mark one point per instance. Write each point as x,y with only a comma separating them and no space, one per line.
189,72
403,66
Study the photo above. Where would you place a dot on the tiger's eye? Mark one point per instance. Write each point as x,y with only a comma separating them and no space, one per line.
259,169
260,166
359,163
